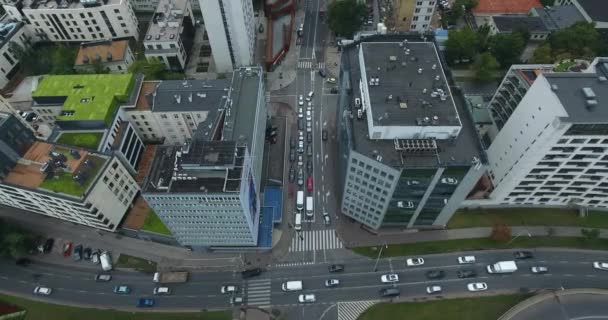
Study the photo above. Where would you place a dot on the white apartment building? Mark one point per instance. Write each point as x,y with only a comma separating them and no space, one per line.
422,15
150,5
75,185
553,149
231,28
172,20
76,21
11,30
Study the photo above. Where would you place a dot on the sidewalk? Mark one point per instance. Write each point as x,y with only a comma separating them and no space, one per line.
353,236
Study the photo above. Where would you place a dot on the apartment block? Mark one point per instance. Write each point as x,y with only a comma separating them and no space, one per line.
115,56
170,34
207,191
76,21
409,153
151,5
11,30
231,28
62,182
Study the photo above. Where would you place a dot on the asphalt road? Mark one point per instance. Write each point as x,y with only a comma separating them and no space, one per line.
567,269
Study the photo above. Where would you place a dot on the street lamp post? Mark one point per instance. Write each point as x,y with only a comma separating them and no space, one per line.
378,259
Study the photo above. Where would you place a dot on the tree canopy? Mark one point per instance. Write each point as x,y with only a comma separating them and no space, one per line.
485,67
56,59
345,17
507,48
14,242
461,45
580,40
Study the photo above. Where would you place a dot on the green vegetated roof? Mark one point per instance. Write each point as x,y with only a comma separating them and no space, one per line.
65,183
89,140
87,96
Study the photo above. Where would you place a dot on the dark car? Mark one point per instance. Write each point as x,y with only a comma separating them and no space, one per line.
48,245
24,262
145,303
435,274
292,155
324,135
249,273
322,73
390,292
336,268
333,90
309,137
300,124
86,254
292,174
523,255
309,166
292,142
77,255
466,273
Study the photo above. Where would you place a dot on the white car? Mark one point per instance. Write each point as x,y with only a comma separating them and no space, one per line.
326,218
229,289
601,265
236,300
331,80
357,102
466,259
477,286
300,113
307,298
405,204
308,115
412,262
301,100
449,181
539,269
331,283
161,291
389,278
44,291
433,289
309,107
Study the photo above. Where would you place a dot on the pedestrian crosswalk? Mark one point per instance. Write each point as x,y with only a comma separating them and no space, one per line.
292,264
310,64
352,310
314,240
258,293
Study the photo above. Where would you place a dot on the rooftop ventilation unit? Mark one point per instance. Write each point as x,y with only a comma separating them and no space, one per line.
415,145
591,104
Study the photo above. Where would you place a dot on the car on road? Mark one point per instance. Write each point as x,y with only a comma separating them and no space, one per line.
413,262
300,177
322,73
300,112
301,100
164,291
309,166
449,181
308,115
86,253
413,182
477,286
47,246
466,273
95,257
309,106
309,150
336,268
601,265
292,174
390,292
324,134
435,274
309,137
103,277
357,102
389,278
229,289
43,291
405,204
332,283
250,273
236,300
24,262
145,303
67,249
300,160
307,298
292,142
77,255
539,269
292,155
300,124
331,80
466,259
309,184
523,255
433,289
122,289
326,218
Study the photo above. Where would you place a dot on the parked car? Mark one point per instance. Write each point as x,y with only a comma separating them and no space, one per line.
300,160
435,274
523,255
292,155
449,181
539,269
336,268
333,90
300,177
145,303
237,301
122,289
43,291
322,73
103,277
86,253
332,283
324,135
477,286
292,142
389,278
466,259
433,289
413,262
95,257
309,137
77,255
466,273
47,246
67,249
331,80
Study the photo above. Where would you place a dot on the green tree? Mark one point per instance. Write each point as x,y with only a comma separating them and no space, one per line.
152,68
542,54
507,48
451,17
547,3
468,4
62,60
485,67
14,242
590,234
580,40
483,36
345,17
461,45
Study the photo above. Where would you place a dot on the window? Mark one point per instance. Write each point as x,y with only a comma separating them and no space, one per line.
415,18
417,10
413,26
427,18
119,18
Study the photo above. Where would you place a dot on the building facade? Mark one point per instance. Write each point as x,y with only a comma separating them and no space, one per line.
11,30
64,21
231,28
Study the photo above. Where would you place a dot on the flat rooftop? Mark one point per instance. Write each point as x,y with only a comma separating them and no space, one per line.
245,92
102,51
575,90
509,23
57,169
62,5
451,152
411,84
167,21
91,97
559,17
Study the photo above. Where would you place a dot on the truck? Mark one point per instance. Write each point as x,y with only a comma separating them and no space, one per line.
502,267
170,277
292,286
106,261
309,207
300,200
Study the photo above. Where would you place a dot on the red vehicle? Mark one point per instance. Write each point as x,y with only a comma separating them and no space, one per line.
67,249
309,184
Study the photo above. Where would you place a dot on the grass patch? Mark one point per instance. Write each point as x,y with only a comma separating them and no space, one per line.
154,224
89,140
482,308
409,249
47,311
528,217
139,264
64,183
564,66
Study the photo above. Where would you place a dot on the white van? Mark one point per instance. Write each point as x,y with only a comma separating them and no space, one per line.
309,96
300,201
292,286
106,261
161,291
298,224
309,207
